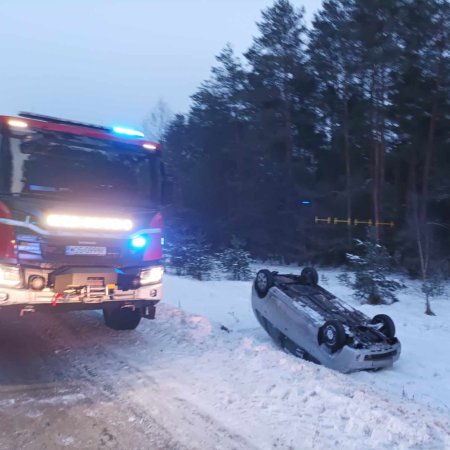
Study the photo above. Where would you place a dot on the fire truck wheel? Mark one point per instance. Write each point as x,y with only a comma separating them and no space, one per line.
122,318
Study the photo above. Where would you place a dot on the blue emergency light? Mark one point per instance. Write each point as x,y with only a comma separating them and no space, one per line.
128,132
139,242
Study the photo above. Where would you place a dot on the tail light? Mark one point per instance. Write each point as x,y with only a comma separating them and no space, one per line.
153,251
7,235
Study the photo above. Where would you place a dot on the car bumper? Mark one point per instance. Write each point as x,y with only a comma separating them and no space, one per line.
26,297
350,359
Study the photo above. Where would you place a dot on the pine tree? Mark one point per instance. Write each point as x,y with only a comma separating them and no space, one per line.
354,118
236,261
370,267
333,53
216,120
421,114
277,58
282,121
189,253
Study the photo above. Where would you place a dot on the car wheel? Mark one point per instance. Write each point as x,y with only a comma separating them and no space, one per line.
310,276
263,282
122,318
332,334
387,325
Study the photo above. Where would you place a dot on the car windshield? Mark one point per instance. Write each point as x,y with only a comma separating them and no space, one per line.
75,167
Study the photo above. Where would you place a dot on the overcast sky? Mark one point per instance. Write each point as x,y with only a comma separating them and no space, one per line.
109,61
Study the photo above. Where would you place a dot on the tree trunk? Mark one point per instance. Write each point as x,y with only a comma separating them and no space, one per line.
428,310
376,162
428,160
381,104
423,251
289,141
376,188
348,173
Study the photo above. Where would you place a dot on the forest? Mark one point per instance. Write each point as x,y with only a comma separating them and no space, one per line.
319,137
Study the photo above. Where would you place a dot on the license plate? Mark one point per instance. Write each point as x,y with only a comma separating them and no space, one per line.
96,281
85,250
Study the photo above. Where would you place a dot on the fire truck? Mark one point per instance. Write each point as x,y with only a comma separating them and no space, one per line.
80,219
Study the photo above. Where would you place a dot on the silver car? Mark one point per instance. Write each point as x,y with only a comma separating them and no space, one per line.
312,323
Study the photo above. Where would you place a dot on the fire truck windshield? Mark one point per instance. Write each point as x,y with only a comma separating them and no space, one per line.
43,163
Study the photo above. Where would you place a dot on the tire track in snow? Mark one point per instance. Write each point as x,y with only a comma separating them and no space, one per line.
179,380
80,363
65,383
193,424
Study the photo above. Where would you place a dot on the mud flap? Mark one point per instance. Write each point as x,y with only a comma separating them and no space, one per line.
148,312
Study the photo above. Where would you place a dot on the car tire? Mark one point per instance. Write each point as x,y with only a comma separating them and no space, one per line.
332,335
310,276
263,282
387,325
122,318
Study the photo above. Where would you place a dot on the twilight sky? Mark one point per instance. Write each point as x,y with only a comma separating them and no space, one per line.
109,61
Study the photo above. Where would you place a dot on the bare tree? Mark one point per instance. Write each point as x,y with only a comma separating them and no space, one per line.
433,267
429,266
157,120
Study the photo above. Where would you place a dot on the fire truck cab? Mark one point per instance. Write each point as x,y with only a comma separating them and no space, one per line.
80,220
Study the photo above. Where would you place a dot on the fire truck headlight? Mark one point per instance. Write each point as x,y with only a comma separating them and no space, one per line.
89,223
9,276
138,242
152,275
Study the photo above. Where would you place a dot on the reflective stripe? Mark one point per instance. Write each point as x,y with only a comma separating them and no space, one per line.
7,235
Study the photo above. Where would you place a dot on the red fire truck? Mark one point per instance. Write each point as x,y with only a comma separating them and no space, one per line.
80,220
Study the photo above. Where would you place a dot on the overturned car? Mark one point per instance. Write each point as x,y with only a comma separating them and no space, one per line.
310,322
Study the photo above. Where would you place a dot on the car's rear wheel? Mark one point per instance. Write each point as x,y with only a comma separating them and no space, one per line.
122,318
263,282
387,325
310,276
332,334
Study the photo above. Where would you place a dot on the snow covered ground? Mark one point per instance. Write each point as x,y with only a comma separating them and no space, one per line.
183,382
367,401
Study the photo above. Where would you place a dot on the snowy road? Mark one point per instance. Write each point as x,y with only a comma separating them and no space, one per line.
63,385
178,382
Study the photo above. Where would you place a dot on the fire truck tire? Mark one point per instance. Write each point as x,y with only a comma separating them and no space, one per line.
122,318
